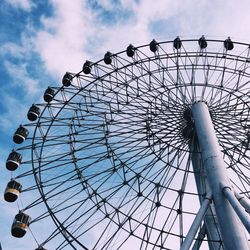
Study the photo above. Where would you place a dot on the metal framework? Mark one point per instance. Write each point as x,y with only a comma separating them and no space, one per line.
147,148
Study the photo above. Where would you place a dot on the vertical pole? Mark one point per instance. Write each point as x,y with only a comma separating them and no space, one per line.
232,231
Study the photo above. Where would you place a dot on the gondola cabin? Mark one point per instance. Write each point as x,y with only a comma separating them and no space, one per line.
20,135
13,161
20,225
108,58
177,43
130,50
153,45
87,67
33,113
49,94
228,44
67,79
12,191
202,42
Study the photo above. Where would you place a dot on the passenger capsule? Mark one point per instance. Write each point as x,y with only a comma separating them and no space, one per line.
13,161
49,94
20,225
20,135
108,58
153,45
12,191
202,42
87,67
67,79
228,44
33,113
177,43
130,50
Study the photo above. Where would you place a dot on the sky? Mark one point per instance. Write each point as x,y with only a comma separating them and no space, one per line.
42,39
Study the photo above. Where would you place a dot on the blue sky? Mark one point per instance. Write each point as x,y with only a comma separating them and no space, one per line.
42,39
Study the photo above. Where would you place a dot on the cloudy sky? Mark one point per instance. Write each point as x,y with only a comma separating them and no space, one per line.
42,39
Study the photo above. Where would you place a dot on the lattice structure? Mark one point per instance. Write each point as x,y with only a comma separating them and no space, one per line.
112,159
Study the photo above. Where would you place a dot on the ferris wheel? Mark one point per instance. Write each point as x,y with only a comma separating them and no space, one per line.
147,148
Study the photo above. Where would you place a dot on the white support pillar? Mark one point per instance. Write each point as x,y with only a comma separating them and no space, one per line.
210,221
196,223
238,208
231,228
244,201
201,235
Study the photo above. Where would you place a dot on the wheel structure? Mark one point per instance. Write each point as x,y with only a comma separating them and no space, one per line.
110,159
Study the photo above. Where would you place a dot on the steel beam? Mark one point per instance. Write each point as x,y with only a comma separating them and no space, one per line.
238,208
196,223
201,235
210,221
244,201
232,231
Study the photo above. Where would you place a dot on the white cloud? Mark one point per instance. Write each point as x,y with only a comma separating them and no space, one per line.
61,43
106,4
11,49
22,51
14,114
21,77
25,5
74,33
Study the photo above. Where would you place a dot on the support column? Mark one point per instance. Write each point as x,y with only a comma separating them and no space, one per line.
231,229
210,220
196,223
